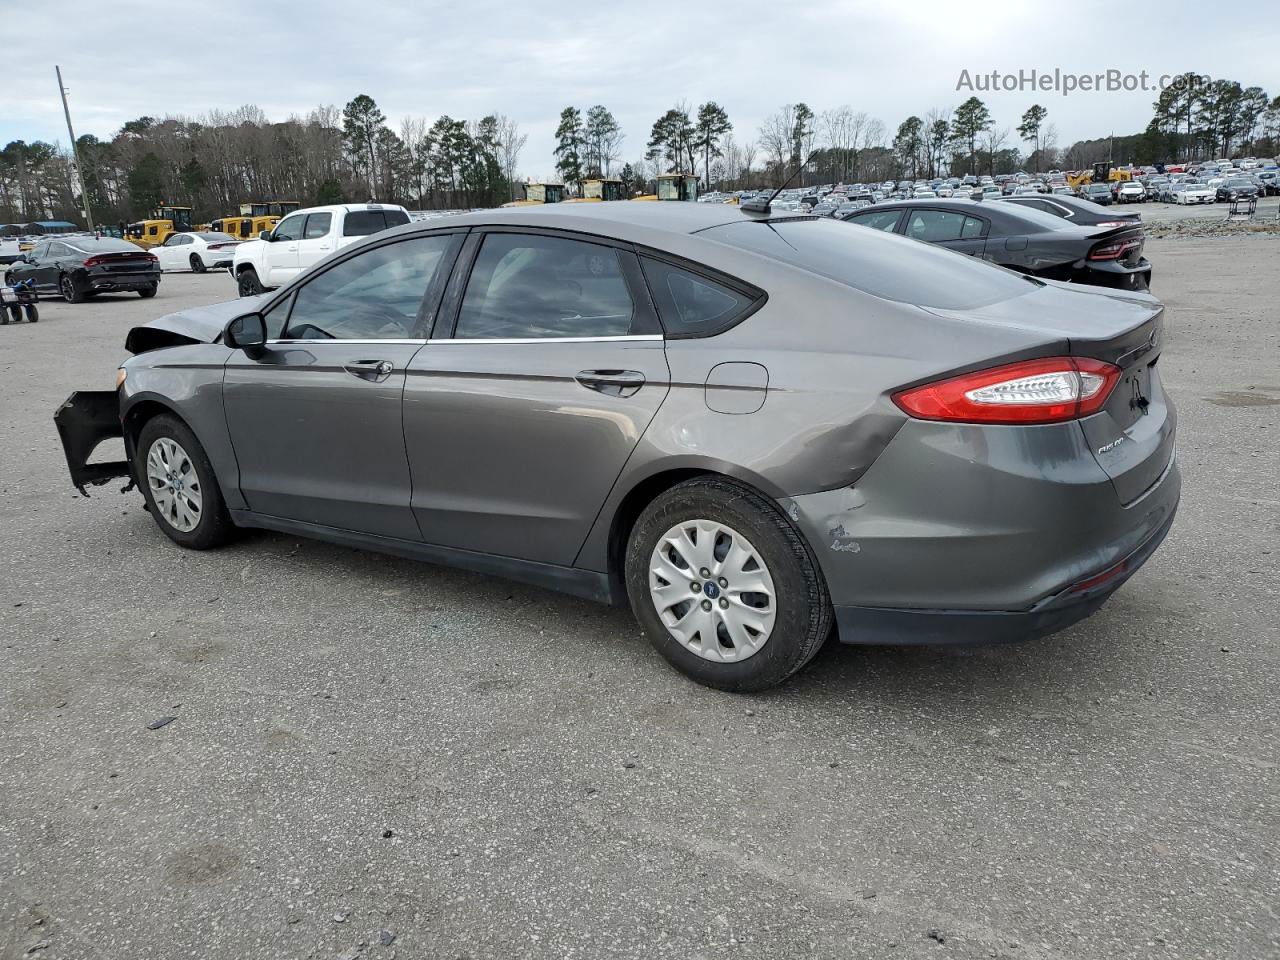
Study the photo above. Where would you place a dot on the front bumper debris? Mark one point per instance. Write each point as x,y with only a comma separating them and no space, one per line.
85,419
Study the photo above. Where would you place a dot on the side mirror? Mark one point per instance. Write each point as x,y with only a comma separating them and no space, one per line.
265,235
247,333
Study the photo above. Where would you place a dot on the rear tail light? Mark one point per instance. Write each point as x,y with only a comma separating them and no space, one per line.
95,262
1114,250
1032,391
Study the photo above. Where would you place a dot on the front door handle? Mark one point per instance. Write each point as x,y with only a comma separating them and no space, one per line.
373,370
613,383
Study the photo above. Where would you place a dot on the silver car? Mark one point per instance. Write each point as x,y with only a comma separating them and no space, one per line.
756,428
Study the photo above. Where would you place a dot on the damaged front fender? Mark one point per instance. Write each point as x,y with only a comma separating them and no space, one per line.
86,419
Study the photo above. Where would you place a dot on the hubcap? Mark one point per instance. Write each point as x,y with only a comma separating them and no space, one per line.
712,590
175,485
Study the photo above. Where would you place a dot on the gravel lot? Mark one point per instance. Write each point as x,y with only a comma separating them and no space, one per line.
377,758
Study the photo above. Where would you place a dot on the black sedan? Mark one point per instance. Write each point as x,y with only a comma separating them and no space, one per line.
81,267
1022,239
1075,210
1237,188
1097,193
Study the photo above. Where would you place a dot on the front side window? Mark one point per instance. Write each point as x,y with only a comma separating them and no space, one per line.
317,225
289,229
375,295
534,287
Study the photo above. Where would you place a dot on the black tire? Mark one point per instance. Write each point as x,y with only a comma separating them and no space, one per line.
803,616
146,293
214,527
71,291
33,313
247,282
197,265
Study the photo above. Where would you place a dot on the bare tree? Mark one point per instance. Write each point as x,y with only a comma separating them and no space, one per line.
510,142
748,161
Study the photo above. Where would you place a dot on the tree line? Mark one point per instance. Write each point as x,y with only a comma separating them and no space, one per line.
217,161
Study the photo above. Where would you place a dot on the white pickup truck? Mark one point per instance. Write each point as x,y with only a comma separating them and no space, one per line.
304,238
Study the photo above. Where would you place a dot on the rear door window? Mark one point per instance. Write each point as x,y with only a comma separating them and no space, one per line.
940,226
525,287
317,226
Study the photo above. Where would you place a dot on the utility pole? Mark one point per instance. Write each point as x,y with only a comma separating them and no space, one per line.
75,153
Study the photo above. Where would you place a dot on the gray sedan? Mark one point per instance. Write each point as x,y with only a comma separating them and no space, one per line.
756,428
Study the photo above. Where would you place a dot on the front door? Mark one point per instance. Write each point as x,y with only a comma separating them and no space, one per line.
281,255
519,423
316,420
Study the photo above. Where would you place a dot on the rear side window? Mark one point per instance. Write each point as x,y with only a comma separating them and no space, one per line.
692,305
361,223
885,265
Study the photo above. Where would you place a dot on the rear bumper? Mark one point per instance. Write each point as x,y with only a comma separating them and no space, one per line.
85,420
123,281
961,532
1106,273
907,627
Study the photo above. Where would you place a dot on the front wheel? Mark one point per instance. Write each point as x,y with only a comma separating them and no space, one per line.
725,587
33,313
247,282
197,265
180,486
71,291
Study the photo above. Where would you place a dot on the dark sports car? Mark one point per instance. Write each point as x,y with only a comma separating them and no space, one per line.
1237,188
1022,239
81,267
1075,210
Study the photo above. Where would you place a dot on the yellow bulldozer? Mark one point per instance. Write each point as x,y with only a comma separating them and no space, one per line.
254,218
165,220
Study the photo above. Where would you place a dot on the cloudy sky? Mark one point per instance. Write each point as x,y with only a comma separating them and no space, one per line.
164,57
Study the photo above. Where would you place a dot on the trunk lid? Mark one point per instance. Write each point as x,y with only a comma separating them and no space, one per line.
1132,437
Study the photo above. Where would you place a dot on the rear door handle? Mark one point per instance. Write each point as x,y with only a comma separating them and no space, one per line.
613,383
374,370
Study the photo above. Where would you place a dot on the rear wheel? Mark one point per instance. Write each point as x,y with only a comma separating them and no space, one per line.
33,313
147,293
71,291
197,265
248,283
725,587
180,486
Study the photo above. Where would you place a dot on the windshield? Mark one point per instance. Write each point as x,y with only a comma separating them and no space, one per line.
1238,182
885,265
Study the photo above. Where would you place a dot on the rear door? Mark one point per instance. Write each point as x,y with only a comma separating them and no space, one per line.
316,420
317,239
542,374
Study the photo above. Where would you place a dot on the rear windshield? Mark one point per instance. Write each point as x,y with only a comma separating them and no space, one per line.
361,223
103,245
215,237
883,264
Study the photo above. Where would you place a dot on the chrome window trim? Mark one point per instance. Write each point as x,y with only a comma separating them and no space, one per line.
622,339
370,340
